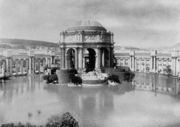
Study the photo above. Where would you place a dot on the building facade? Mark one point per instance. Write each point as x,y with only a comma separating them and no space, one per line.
86,46
30,59
149,61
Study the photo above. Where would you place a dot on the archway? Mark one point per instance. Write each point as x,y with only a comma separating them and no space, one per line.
70,59
105,57
90,60
18,65
37,65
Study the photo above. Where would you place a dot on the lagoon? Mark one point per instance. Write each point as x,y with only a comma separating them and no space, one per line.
96,106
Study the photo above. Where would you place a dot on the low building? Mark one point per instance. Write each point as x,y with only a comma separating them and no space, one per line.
149,61
21,57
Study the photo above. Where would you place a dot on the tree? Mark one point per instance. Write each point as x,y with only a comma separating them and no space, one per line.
168,70
128,76
114,78
77,80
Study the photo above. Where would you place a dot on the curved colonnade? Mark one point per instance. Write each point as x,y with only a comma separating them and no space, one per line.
23,62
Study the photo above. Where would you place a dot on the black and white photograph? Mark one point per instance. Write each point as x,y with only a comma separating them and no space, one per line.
89,63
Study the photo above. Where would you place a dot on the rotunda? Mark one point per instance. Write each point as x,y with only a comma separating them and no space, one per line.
87,45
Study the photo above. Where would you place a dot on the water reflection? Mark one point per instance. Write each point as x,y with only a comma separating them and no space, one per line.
22,98
158,83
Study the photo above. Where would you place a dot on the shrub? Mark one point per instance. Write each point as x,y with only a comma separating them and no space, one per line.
168,70
52,78
76,80
128,76
66,120
114,78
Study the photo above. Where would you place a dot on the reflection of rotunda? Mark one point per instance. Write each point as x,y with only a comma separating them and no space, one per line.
87,45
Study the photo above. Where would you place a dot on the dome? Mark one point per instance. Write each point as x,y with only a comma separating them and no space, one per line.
87,25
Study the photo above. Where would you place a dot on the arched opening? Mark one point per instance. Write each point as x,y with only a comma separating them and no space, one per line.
18,66
13,66
70,59
37,65
105,57
90,59
41,65
21,66
44,62
2,67
27,64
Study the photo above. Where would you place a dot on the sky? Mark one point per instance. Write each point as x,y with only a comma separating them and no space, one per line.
139,23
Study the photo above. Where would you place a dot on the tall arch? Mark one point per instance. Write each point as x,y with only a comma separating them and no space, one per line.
70,58
105,57
37,64
2,67
18,62
90,59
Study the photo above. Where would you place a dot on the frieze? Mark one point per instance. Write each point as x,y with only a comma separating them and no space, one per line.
73,38
92,38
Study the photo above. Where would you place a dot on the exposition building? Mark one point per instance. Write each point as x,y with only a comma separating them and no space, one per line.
86,46
147,61
21,57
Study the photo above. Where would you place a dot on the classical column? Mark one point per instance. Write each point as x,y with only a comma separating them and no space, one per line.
17,66
80,58
178,67
83,58
154,61
47,61
31,64
99,57
10,66
132,62
62,57
53,59
102,58
97,66
66,61
174,62
111,58
152,64
27,65
3,67
50,61
21,66
76,58
7,66
38,65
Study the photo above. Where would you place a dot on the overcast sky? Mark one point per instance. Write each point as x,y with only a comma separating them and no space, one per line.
140,23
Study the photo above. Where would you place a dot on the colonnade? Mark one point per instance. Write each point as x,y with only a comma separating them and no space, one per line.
154,61
80,56
10,66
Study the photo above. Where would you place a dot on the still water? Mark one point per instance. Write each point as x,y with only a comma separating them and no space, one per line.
100,106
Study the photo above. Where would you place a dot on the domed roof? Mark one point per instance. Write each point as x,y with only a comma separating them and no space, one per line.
87,25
